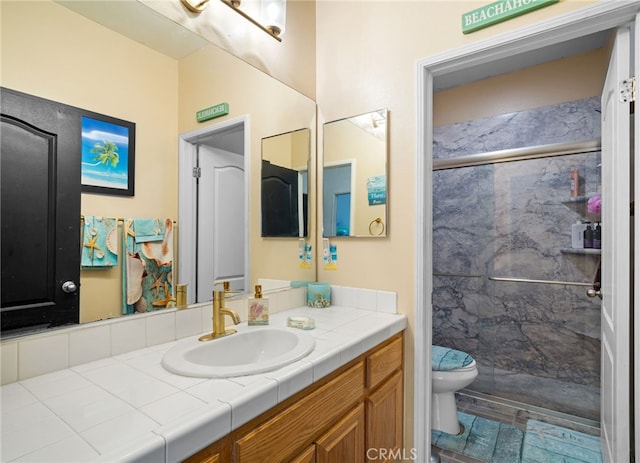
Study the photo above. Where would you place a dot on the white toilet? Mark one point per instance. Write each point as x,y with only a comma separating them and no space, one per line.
451,370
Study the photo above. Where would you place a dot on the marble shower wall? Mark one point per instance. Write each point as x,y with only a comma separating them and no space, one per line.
512,220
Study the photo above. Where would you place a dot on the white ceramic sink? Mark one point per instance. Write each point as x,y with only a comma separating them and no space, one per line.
247,352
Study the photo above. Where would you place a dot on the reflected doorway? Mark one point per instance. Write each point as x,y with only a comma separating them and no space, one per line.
213,188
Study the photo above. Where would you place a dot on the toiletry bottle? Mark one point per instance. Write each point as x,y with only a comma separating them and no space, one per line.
577,235
258,309
588,237
575,182
597,233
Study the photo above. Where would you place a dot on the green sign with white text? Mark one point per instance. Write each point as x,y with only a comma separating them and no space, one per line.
499,11
218,110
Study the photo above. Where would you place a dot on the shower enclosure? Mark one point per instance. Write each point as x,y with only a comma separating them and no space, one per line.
508,286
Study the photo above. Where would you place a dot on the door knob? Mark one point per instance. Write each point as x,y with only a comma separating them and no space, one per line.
69,287
594,292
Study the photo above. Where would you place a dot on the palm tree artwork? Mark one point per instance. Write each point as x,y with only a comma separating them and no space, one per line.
106,152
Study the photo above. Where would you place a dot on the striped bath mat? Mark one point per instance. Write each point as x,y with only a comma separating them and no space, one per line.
546,443
482,439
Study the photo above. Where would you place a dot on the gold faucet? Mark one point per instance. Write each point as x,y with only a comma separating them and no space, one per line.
219,311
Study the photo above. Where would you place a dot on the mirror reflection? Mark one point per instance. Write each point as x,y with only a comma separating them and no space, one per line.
161,91
355,176
285,184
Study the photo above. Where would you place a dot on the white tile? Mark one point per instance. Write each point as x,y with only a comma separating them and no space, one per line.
161,328
96,364
139,394
87,407
324,362
43,355
367,299
387,301
89,344
117,377
14,396
8,362
53,384
292,378
30,428
120,430
253,400
344,296
188,322
212,389
147,448
128,335
196,430
72,449
172,407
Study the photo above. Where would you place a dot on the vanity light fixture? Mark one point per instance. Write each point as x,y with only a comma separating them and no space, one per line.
195,6
273,14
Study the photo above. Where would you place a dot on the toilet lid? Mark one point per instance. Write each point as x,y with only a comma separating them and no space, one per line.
446,359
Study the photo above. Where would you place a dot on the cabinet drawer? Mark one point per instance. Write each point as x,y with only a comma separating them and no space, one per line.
285,434
383,362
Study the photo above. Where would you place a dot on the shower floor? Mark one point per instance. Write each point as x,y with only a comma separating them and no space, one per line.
561,396
514,414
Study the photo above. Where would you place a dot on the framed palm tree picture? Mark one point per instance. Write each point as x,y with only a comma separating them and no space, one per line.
108,155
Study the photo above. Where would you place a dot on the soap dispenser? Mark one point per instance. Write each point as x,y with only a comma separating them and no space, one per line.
258,308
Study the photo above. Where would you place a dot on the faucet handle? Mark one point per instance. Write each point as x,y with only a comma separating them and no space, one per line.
225,285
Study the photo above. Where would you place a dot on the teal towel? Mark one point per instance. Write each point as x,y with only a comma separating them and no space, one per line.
147,230
147,270
99,242
446,359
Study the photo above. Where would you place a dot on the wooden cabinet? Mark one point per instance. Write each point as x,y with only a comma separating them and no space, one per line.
284,434
353,415
344,442
384,420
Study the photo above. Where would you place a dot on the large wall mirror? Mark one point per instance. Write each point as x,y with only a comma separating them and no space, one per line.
285,184
355,176
162,111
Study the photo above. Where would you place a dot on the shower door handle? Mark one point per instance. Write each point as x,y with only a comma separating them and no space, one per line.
591,292
595,291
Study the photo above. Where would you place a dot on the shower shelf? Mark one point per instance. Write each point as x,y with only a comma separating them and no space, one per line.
578,203
582,252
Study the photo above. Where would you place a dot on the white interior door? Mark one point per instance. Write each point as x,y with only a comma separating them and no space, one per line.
616,254
221,220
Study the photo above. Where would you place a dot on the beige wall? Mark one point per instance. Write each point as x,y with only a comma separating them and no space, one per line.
559,81
53,53
291,61
273,108
367,60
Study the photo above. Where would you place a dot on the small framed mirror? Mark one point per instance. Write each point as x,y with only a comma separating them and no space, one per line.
354,176
285,184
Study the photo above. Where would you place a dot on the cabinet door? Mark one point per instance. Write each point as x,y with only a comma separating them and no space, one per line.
384,420
344,442
308,456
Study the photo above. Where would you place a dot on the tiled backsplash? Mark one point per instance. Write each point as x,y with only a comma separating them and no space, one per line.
41,353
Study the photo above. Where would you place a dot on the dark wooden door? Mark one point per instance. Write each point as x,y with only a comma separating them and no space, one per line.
279,201
40,212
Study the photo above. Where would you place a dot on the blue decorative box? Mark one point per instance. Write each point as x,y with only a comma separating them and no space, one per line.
318,295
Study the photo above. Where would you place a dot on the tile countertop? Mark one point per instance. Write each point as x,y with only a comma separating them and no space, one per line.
129,408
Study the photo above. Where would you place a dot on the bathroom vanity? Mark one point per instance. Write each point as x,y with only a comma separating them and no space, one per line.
358,407
343,398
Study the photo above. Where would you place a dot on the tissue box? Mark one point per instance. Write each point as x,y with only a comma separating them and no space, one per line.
318,295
